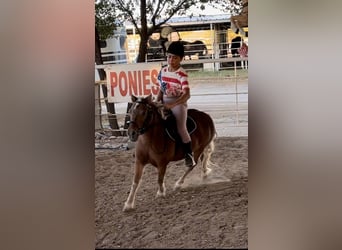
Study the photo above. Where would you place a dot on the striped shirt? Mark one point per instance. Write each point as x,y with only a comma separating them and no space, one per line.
243,50
173,83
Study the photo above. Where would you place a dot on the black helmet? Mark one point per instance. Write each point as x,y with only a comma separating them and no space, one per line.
176,48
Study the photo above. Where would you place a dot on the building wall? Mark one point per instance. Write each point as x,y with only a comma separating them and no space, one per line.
207,36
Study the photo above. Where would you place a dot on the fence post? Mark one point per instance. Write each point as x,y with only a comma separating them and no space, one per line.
98,113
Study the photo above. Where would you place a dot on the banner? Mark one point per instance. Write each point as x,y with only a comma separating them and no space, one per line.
125,80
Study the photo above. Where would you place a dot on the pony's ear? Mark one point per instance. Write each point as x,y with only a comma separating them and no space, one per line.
149,99
134,98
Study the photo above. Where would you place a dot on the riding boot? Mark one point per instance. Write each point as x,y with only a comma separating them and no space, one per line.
189,157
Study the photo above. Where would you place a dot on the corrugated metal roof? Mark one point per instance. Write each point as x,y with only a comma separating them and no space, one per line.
207,18
188,20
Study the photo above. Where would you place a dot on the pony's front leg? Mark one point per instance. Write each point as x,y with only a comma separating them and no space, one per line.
161,173
129,204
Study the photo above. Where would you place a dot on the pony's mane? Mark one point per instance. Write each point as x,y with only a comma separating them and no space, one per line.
157,107
163,113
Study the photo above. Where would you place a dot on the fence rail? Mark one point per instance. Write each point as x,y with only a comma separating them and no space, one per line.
222,92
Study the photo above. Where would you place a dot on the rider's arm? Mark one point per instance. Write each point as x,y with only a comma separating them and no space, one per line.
183,98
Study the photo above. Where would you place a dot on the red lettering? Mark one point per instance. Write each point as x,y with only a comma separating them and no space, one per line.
146,81
132,81
135,82
154,80
113,82
123,83
139,82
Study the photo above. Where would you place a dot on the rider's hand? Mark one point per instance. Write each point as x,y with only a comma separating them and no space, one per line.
168,106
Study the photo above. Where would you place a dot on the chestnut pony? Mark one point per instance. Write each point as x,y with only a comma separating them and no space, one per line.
154,146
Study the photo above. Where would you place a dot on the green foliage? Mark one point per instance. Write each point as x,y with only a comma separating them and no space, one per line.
147,16
108,13
233,7
105,18
157,12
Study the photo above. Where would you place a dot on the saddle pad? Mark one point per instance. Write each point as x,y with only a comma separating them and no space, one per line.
171,128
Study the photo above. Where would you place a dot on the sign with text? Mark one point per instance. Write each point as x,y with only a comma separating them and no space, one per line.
125,80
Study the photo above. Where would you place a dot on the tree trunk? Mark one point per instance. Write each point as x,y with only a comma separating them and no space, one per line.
142,49
143,32
110,106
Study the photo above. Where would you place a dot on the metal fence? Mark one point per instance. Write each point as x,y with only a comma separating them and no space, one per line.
219,87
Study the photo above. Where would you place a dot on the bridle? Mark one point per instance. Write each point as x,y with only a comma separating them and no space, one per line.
147,119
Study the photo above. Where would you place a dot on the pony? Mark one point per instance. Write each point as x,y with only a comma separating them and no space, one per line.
235,48
156,49
235,45
147,127
193,48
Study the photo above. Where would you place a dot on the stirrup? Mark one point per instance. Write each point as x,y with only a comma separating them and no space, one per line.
189,161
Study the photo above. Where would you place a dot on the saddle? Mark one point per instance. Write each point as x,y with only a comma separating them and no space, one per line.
171,126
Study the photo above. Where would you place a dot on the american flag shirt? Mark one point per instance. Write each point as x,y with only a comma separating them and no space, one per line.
173,83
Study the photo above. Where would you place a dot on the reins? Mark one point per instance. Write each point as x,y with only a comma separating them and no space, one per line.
147,120
148,124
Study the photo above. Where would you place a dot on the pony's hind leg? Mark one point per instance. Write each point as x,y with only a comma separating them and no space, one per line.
161,173
129,204
180,181
205,159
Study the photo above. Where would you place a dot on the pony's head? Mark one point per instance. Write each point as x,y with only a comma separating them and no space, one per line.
140,116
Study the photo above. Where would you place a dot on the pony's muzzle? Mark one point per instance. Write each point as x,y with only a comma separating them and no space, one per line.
133,135
133,131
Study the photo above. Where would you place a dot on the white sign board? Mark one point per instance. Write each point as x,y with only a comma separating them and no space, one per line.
125,80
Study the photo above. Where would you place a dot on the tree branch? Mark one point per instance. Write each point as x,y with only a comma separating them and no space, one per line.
128,13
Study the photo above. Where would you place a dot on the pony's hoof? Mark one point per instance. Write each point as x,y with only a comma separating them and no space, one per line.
160,194
177,186
207,173
127,207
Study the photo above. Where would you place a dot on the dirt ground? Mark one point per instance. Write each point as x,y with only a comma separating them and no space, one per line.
203,214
